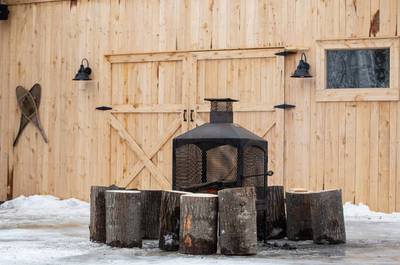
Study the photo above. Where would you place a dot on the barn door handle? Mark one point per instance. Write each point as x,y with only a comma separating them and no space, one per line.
184,115
191,115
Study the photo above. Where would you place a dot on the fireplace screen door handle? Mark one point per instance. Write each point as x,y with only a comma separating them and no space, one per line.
191,115
184,115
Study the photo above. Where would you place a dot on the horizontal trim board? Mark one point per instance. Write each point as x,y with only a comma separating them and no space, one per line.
198,50
240,108
197,54
358,38
143,58
235,54
27,2
162,108
363,94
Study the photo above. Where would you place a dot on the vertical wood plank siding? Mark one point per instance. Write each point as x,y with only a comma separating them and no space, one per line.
350,145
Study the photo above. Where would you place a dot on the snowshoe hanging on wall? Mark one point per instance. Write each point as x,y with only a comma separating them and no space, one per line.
28,102
4,12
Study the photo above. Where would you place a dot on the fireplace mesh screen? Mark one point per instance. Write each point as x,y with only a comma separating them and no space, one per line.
222,164
221,106
253,165
218,164
188,165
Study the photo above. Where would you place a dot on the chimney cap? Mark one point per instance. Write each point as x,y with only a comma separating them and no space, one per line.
221,99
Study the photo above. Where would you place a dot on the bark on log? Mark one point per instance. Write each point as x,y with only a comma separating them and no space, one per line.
237,221
273,218
276,215
199,219
169,220
327,217
151,200
97,227
261,204
298,216
123,218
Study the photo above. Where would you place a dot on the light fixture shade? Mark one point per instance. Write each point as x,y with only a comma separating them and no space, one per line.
83,73
4,12
303,68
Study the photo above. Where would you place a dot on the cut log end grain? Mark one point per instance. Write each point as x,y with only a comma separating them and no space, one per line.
123,218
170,220
198,228
237,221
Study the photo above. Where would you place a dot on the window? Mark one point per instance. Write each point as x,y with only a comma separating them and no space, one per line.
357,70
367,68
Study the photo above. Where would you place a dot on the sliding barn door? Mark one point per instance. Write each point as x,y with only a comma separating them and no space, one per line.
158,96
148,107
255,78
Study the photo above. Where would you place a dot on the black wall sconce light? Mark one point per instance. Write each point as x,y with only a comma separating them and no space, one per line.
4,12
303,68
83,73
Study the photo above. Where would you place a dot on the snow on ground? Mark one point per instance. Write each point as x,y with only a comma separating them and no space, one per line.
362,212
45,230
43,210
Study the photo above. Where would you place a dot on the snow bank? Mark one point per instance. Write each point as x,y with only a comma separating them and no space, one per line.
362,212
43,203
43,210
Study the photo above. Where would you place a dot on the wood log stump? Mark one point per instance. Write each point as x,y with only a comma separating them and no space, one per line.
273,218
123,218
327,217
299,225
261,204
198,228
151,201
275,213
97,227
169,220
237,221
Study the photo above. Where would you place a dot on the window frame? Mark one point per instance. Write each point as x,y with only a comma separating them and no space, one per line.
324,94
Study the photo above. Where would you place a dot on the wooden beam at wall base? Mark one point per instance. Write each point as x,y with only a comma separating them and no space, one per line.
26,2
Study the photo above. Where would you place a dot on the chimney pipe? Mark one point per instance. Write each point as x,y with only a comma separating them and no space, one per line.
221,110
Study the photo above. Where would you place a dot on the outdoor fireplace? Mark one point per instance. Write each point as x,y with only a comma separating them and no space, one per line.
221,154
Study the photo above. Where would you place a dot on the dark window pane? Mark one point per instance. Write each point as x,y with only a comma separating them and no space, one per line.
363,68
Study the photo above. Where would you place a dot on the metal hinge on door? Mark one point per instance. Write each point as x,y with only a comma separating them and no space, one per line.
284,106
285,53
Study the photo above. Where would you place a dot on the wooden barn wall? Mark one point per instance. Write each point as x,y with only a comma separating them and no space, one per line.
352,145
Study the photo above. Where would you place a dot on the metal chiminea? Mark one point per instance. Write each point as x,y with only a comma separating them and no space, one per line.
222,154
